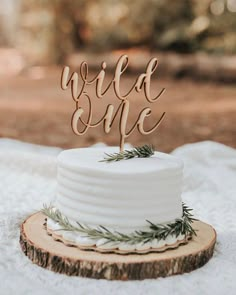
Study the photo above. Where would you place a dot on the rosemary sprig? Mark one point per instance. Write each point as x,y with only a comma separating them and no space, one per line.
157,231
140,152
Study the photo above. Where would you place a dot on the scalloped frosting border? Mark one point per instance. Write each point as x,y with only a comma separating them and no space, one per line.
85,242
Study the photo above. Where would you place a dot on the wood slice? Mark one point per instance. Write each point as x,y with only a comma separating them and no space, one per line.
54,255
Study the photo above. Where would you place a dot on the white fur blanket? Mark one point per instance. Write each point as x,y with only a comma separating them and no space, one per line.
27,180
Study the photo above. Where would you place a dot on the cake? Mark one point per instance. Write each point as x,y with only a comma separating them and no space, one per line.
122,197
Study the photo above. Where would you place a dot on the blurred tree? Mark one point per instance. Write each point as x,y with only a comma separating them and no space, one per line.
171,30
50,30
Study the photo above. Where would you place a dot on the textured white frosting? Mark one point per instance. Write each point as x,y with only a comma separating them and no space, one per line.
118,195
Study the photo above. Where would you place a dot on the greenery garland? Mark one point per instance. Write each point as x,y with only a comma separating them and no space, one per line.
157,231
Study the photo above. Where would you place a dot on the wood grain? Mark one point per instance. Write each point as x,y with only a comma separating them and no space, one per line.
53,255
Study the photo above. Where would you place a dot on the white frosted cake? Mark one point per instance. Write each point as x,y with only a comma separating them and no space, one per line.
119,197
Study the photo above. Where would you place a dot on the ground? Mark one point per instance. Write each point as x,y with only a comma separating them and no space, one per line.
33,108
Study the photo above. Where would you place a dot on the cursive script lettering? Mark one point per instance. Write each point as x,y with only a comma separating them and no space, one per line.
78,92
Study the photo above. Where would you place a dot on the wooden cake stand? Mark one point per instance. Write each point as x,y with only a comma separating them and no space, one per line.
56,256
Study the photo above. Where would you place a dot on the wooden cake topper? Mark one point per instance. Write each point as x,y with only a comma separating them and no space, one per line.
143,81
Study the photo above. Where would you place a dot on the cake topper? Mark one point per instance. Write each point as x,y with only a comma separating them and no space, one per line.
143,81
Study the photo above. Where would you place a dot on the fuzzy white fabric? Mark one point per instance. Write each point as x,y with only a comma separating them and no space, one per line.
27,180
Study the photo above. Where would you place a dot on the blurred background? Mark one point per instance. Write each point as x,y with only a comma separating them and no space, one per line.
194,41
